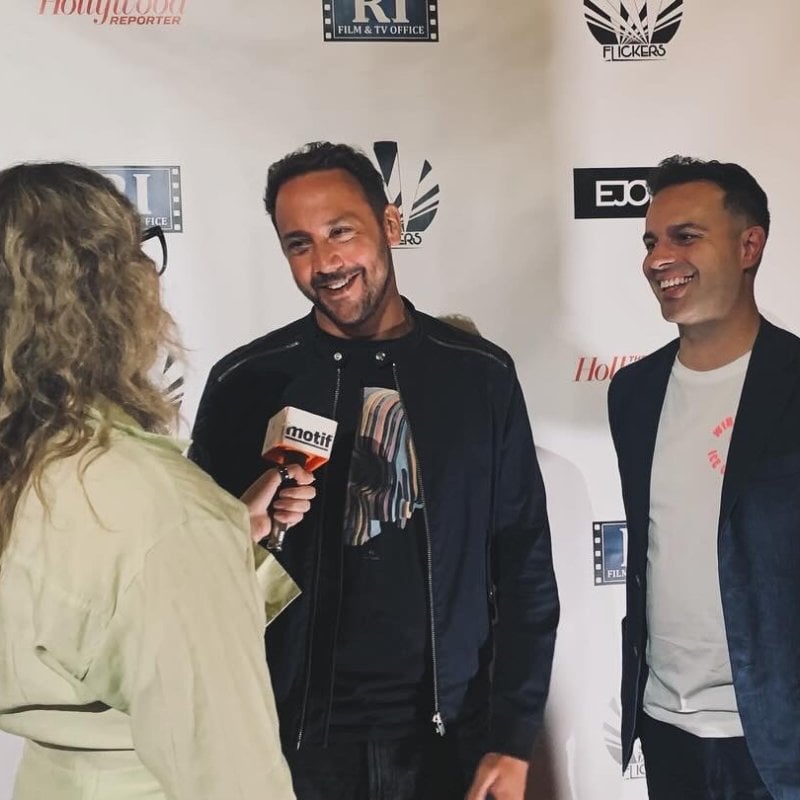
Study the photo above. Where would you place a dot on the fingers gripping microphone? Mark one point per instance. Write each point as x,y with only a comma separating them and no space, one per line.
299,437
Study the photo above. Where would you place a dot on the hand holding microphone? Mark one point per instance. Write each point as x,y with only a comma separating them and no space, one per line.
267,501
295,439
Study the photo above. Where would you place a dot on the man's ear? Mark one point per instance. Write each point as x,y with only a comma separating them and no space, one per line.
392,224
752,242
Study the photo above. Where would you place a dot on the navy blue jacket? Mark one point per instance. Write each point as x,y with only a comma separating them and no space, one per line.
491,586
758,545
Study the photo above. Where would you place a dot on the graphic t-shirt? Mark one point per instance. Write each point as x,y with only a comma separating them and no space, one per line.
382,684
689,683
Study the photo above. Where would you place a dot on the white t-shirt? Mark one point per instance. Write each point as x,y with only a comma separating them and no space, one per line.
690,684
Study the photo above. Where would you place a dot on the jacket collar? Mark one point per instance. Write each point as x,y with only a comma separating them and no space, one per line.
106,412
338,350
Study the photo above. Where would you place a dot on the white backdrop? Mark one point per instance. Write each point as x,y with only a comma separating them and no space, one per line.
507,101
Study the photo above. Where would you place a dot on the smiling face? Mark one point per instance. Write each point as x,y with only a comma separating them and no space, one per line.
339,253
699,257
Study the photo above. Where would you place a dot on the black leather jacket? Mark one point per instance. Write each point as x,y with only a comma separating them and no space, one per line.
492,592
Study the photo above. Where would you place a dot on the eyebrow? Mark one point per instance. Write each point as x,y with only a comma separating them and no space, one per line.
285,237
649,236
300,234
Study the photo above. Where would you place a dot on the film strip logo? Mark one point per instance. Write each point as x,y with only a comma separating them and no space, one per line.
155,191
610,541
380,20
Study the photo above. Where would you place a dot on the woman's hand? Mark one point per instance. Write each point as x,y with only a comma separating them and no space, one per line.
288,508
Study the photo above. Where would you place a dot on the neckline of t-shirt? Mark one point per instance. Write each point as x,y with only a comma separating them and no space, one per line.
357,346
735,368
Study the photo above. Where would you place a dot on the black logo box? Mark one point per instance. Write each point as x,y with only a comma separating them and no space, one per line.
611,192
384,21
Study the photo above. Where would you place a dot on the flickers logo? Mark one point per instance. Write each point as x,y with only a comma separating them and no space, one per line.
418,212
632,30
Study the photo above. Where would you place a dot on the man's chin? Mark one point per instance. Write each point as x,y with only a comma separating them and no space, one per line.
345,322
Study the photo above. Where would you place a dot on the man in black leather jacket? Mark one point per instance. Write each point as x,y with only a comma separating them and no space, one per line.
416,661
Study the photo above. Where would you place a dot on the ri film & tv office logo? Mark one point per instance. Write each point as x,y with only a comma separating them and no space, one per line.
417,210
381,20
610,542
631,30
156,194
155,191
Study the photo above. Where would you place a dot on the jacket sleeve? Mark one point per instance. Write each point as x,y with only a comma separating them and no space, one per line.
613,399
526,600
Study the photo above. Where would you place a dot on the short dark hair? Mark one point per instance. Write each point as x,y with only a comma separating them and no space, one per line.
319,156
743,195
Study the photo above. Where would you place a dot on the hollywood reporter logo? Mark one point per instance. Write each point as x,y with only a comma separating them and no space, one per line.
611,192
118,12
593,369
416,215
380,20
630,32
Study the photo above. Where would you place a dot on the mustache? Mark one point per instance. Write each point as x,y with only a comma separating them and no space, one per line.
326,279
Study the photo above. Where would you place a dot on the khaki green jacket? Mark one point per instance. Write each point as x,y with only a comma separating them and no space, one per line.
131,633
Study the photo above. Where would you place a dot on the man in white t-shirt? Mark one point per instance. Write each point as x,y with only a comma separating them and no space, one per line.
707,434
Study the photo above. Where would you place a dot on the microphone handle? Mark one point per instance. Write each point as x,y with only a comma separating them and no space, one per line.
277,531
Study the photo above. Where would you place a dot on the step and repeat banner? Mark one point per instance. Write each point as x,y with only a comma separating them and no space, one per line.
514,135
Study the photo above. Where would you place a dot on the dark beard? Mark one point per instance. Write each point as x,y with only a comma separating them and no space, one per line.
370,305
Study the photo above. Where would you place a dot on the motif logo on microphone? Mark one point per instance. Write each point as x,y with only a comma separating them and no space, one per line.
631,30
155,191
417,215
118,12
380,20
610,540
316,439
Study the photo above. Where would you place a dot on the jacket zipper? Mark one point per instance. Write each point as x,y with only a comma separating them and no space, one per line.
241,361
437,720
302,725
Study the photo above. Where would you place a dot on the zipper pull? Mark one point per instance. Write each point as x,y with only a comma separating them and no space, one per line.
438,723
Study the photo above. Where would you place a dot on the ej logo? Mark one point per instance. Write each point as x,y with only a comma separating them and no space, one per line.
621,193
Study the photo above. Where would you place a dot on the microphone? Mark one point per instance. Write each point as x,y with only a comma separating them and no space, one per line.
299,437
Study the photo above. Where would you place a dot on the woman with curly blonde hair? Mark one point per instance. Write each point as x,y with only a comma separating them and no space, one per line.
131,619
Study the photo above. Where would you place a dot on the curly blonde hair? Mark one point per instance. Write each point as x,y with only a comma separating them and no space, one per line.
81,321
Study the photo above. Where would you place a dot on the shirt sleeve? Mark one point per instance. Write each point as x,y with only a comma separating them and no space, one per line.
183,655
